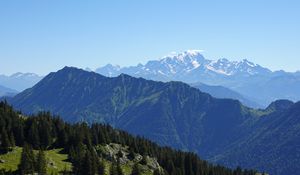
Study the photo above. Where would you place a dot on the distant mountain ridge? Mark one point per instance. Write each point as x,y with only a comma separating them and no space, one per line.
223,92
244,77
19,81
4,91
174,114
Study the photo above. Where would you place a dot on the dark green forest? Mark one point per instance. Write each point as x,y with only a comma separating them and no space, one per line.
44,131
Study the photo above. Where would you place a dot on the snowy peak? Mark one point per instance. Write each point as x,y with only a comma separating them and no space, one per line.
178,63
243,67
184,57
190,66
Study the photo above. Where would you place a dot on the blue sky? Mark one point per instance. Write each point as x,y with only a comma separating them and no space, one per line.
43,36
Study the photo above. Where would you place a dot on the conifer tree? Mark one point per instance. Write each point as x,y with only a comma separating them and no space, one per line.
27,162
33,136
87,164
156,172
119,169
41,163
101,167
5,143
113,169
12,139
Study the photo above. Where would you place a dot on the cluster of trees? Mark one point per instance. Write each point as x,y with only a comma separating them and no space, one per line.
31,163
45,131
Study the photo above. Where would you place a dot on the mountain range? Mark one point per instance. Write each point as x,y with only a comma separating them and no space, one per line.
174,114
191,66
19,81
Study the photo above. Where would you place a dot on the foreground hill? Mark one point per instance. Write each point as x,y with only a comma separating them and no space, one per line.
98,149
173,114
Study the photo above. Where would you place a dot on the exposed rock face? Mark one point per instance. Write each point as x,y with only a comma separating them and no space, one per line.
117,152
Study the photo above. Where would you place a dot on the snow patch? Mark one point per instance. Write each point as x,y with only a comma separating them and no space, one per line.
217,71
195,64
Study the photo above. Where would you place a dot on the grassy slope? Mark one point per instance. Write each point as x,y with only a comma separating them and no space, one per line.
56,162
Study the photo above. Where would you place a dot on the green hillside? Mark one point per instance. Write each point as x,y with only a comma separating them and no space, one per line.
88,150
56,162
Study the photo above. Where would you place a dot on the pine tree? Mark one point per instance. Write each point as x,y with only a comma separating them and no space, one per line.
27,163
87,164
12,139
19,135
156,172
119,169
41,163
5,143
113,169
44,136
101,167
33,135
136,170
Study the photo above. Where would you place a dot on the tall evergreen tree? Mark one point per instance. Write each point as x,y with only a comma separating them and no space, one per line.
5,143
87,164
27,164
113,169
12,139
41,163
119,169
101,167
156,172
33,135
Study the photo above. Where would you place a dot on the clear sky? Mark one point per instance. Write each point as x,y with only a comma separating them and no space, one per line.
42,36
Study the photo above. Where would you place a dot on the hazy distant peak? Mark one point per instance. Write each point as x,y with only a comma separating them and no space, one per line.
20,75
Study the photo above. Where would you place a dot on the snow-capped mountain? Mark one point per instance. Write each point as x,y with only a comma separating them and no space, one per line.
244,67
19,81
189,66
244,77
